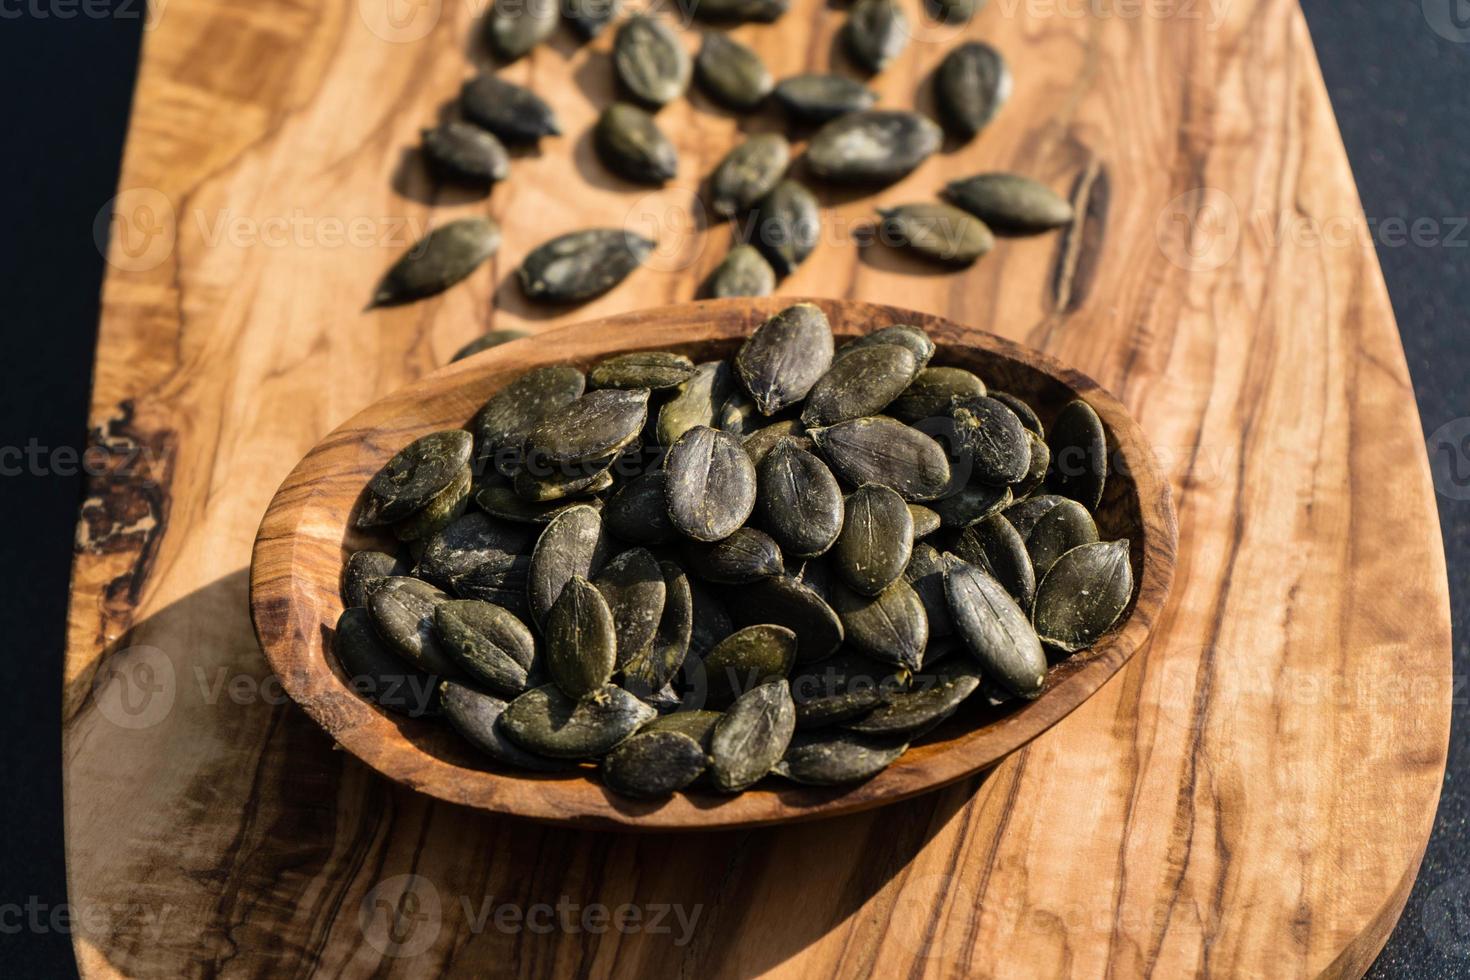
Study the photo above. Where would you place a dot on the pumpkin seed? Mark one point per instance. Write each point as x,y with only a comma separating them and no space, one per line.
1079,455
752,736
747,555
459,152
546,721
697,723
748,172
1023,411
1083,594
799,499
502,580
364,572
995,629
476,716
914,340
491,645
995,547
1036,472
876,540
937,231
785,356
785,601
840,688
759,443
504,421
468,542
912,713
513,113
876,32
743,272
650,61
1066,526
972,503
787,223
955,11
860,383
738,11
1011,203
594,427
926,520
994,440
488,340
652,765
739,416
375,670
933,391
653,668
872,146
415,475
572,545
890,627
925,572
581,644
697,401
710,487
403,611
633,585
972,83
632,146
835,759
506,504
437,261
747,658
884,451
540,481
590,17
439,512
517,26
732,73
819,98
654,370
638,512
581,265
1024,514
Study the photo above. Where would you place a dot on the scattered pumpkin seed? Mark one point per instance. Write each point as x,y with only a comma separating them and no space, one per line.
517,26
462,153
633,147
572,545
925,572
581,642
876,32
650,60
970,504
403,612
488,340
515,114
638,512
747,658
581,265
787,223
972,83
759,443
1024,514
1011,203
653,668
743,272
440,259
696,402
594,427
915,340
506,504
937,231
926,520
748,172
912,713
872,146
820,98
732,74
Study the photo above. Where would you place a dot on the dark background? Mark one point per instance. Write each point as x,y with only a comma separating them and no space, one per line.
1401,90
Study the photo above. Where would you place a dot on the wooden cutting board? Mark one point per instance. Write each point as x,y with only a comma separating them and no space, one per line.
1251,796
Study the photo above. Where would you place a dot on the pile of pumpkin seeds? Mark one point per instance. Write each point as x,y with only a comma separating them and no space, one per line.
795,561
760,186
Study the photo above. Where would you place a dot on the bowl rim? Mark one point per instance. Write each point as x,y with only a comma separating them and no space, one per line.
294,644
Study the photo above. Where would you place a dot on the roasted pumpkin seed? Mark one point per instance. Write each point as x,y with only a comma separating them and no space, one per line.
786,226
785,356
516,26
876,540
972,83
364,572
440,259
638,512
891,626
650,61
840,688
858,384
926,520
403,612
590,17
912,713
652,765
1083,594
578,266
1024,514
914,340
504,421
501,580
748,172
995,547
1011,203
375,671
696,402
445,507
488,340
633,585
594,427
786,601
970,504
745,659
654,370
546,721
491,645
415,475
799,499
933,391
731,73
468,542
697,723
572,545
759,443
876,32
1079,455
513,113
750,738
652,669
506,504
995,629
743,272
476,716
581,643
872,146
819,98
884,451
1066,526
462,153
748,555
993,439
837,758
937,231
925,572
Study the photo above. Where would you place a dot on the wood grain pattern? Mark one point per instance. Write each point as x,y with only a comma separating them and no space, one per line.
307,533
1250,797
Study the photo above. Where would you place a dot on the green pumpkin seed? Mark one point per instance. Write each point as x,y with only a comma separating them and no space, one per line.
937,231
1083,595
785,601
492,646
740,416
650,61
913,339
516,26
971,504
581,265
438,513
785,356
1024,514
415,475
1011,203
594,427
654,370
504,421
486,341
652,669
590,17
743,272
841,688
515,114
786,226
440,259
633,585
1066,526
403,612
638,512
876,540
697,724
933,391
581,643
462,153
995,547
799,499
972,83
859,384
476,716
364,572
891,627
926,520
632,146
506,504
540,481
876,32
1079,455
955,11
737,11
751,737
1023,411
467,543
759,443
502,581
375,671
546,721
995,629
925,572
994,440
872,146
697,401
747,658
819,98
748,172
748,555
572,545
652,765
731,73
912,713
884,451
1036,472
710,485
837,759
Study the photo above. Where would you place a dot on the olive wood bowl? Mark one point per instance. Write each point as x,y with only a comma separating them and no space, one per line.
306,536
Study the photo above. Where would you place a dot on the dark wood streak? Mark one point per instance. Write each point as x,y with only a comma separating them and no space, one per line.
1079,251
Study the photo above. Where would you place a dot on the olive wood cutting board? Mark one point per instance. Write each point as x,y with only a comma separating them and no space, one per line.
1250,796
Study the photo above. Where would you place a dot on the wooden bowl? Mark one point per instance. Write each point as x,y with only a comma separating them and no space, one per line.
306,536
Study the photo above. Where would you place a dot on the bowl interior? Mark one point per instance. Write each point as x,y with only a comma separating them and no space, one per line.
308,534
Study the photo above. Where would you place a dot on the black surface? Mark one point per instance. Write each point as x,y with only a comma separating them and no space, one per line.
1401,90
